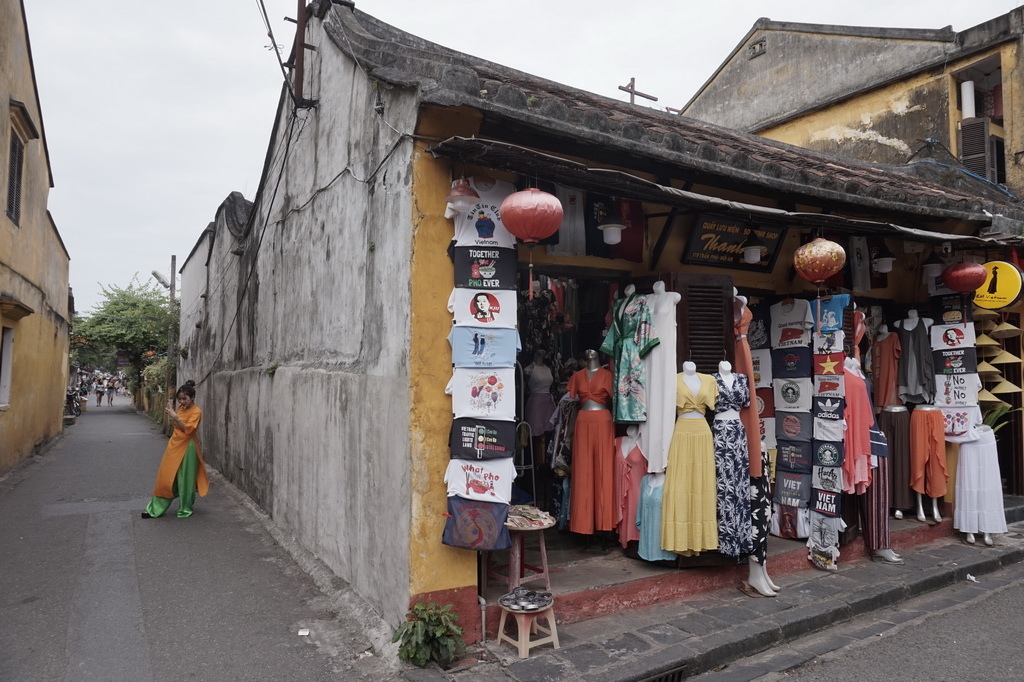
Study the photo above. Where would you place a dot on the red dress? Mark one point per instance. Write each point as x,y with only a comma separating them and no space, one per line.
592,496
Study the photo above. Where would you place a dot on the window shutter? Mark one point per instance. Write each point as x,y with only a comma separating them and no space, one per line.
14,168
705,317
976,148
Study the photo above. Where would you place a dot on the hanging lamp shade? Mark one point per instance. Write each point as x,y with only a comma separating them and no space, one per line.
611,232
933,267
986,397
531,214
1004,358
1004,331
988,372
964,277
978,314
819,259
1005,387
883,260
984,340
462,196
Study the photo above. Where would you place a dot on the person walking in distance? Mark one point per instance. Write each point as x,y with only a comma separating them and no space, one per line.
181,472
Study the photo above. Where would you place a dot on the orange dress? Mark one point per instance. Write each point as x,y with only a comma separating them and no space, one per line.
748,414
175,452
592,495
885,356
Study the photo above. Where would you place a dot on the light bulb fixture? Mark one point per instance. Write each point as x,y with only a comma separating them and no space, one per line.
753,249
462,196
933,267
611,232
883,260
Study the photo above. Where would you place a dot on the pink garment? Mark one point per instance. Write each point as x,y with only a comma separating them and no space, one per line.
630,468
859,327
748,414
859,416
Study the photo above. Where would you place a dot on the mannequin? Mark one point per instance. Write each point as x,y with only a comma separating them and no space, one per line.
885,357
915,376
923,472
979,506
689,522
894,420
630,338
540,404
656,432
592,482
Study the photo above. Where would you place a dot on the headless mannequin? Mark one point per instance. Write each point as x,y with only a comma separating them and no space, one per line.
539,382
898,514
920,497
692,382
728,378
593,364
883,333
985,537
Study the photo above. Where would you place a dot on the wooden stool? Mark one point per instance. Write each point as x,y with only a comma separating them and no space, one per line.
526,622
517,568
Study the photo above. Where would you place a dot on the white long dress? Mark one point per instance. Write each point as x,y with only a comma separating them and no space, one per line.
656,432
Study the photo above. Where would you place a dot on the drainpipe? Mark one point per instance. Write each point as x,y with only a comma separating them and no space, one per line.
483,618
967,99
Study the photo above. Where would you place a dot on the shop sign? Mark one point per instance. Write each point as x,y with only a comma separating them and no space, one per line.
482,267
718,242
1002,288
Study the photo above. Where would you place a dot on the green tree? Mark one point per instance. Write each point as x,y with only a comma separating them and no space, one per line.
135,320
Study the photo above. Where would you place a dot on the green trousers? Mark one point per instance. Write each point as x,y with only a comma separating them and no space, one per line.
184,488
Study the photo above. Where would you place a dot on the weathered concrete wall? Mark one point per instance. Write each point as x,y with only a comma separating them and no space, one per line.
799,70
302,350
33,269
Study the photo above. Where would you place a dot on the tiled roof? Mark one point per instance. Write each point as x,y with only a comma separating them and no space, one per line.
709,154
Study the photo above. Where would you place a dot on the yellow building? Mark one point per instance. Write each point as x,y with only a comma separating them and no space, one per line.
34,295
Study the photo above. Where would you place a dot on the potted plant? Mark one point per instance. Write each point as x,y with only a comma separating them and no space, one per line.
429,633
997,417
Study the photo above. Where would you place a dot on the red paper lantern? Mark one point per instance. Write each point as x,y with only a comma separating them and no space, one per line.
964,277
531,214
818,260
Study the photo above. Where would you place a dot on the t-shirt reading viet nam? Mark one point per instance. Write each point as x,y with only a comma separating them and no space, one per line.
475,308
484,347
830,312
483,393
791,323
481,225
485,480
793,395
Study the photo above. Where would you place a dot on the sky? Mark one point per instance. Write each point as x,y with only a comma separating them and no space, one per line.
155,112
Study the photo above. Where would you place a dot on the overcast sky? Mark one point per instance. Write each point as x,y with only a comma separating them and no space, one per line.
155,112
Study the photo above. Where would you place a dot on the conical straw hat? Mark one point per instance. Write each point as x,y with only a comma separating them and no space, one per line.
985,397
1004,358
985,340
1004,331
987,371
1006,387
986,325
983,314
989,351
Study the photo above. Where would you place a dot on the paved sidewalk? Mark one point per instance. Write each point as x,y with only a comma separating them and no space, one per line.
699,635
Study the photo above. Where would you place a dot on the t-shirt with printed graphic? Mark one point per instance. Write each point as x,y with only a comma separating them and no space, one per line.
828,342
828,418
758,335
952,336
830,312
793,395
956,390
483,393
791,324
487,480
475,308
765,402
961,423
789,363
830,386
794,426
829,365
768,433
790,522
761,361
827,478
481,225
484,347
825,530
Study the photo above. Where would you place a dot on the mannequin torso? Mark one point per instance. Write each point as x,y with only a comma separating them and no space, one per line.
593,364
692,382
728,380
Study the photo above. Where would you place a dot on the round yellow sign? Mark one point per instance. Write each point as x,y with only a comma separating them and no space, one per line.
1003,286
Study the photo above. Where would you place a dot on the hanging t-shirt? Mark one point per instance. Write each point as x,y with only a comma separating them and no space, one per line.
476,525
829,365
828,453
488,480
829,429
790,521
792,489
952,336
859,260
827,478
484,347
792,456
765,402
481,225
830,312
480,268
572,235
791,323
956,390
789,363
761,361
475,308
825,531
768,433
483,393
830,386
475,439
961,423
793,395
828,342
758,333
631,240
826,502
794,426
955,361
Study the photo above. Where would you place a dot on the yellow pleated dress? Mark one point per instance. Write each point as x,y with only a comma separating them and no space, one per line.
689,523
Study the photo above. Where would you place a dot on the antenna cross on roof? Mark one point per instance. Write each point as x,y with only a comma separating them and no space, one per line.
633,92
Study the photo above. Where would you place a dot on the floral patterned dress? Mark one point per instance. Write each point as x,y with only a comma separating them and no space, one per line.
732,468
630,337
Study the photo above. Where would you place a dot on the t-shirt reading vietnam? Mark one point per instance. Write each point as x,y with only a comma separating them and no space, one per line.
481,225
476,308
791,323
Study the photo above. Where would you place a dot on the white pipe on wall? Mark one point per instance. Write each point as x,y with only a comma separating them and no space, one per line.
967,99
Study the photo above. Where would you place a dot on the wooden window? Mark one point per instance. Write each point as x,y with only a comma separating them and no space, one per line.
978,148
705,317
6,358
15,168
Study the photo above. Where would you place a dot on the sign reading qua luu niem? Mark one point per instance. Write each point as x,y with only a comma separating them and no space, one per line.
718,242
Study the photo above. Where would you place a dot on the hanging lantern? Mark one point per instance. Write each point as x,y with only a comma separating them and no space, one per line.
964,277
531,215
818,260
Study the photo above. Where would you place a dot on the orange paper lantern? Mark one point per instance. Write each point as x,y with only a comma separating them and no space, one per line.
819,259
964,277
531,215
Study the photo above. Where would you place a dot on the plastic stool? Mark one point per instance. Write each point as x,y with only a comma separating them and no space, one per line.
526,622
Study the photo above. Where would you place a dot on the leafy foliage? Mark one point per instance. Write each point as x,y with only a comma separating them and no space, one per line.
430,633
998,417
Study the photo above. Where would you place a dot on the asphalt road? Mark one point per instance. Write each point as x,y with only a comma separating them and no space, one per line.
91,591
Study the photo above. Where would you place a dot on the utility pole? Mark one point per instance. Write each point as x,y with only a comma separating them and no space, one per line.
169,285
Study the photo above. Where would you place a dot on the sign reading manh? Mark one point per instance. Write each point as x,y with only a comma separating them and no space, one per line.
718,242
